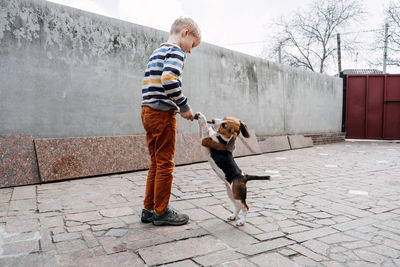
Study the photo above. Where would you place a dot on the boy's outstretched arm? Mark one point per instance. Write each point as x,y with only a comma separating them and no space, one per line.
188,115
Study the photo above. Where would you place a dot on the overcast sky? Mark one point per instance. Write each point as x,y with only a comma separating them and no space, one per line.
233,24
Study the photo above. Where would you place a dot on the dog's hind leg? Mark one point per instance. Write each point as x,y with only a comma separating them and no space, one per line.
236,204
239,192
238,207
243,216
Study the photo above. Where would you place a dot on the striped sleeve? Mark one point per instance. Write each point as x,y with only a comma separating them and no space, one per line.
171,76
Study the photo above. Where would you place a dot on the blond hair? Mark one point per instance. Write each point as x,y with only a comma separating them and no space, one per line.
182,22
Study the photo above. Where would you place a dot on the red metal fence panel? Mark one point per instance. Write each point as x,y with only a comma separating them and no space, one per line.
373,106
391,128
355,107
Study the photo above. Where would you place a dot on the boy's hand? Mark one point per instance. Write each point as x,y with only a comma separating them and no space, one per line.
188,115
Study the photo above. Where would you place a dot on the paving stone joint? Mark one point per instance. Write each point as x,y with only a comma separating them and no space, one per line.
327,205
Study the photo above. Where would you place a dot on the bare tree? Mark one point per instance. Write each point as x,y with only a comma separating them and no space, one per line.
393,17
307,40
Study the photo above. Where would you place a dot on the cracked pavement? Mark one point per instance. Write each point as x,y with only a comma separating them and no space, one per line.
329,205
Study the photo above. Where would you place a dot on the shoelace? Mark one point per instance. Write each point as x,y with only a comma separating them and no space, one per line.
174,213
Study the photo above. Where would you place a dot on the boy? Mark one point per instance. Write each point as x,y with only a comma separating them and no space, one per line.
162,98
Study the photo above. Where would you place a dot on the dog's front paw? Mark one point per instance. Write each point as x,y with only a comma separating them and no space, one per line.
232,217
200,117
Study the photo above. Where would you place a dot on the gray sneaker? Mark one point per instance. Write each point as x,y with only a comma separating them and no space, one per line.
147,216
170,217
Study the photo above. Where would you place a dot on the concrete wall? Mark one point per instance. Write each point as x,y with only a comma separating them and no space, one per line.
69,73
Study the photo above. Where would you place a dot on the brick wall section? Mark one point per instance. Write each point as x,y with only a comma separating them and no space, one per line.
318,138
327,138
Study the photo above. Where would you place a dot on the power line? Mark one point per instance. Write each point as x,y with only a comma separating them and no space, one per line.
375,30
254,42
260,42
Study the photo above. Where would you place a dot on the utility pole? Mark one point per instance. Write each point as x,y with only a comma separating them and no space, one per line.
385,47
339,54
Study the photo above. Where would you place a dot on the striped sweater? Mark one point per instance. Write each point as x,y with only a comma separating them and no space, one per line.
161,88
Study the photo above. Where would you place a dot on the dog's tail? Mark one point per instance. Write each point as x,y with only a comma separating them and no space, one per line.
256,177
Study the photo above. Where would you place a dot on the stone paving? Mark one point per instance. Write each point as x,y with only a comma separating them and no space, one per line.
329,205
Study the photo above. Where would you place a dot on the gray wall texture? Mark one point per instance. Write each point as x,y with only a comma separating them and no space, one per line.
69,73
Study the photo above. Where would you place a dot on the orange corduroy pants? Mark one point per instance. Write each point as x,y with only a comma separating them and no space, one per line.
160,129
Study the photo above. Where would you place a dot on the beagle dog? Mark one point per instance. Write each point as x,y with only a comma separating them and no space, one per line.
218,137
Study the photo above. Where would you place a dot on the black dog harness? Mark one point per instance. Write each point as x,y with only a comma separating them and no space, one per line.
224,160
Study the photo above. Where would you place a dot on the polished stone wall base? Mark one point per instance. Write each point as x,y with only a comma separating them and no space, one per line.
273,143
18,165
65,158
188,149
246,146
27,161
299,141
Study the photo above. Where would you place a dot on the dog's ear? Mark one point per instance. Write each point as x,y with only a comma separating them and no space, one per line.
244,130
230,146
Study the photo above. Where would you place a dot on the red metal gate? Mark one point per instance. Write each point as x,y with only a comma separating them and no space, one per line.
373,106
